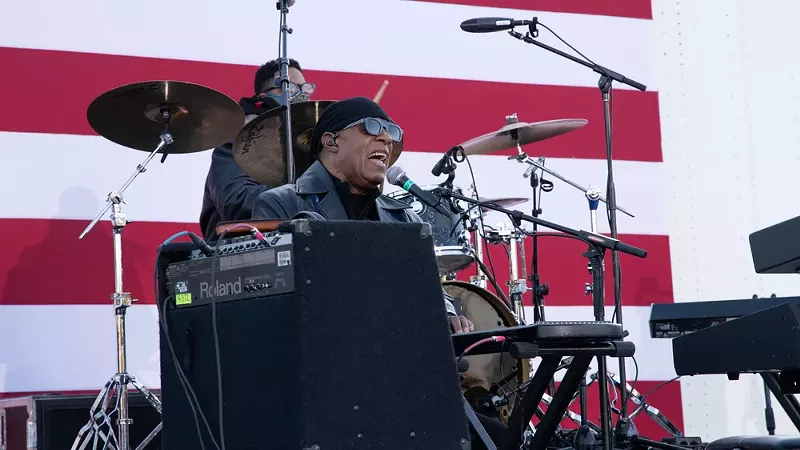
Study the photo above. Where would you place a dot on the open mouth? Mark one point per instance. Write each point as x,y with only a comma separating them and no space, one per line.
381,156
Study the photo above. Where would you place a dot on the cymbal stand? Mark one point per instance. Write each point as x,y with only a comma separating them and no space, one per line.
99,419
288,155
538,289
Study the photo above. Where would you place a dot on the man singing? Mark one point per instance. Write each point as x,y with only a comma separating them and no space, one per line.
352,143
229,193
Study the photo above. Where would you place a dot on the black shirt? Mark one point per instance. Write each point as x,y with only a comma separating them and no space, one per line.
357,206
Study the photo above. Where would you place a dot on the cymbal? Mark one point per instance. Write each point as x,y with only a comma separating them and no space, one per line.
200,118
527,133
503,202
258,148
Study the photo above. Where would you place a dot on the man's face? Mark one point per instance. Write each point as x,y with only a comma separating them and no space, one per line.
295,76
362,158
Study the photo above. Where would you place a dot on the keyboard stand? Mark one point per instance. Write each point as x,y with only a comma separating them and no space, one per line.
478,426
788,401
552,342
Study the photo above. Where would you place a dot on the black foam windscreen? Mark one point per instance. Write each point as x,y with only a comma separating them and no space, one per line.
358,356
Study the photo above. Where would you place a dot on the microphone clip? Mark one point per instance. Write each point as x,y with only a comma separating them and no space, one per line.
445,164
533,31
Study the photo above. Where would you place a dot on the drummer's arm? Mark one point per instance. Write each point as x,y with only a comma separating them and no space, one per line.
233,193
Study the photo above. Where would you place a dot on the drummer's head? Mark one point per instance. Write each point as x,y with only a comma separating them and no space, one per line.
354,140
267,81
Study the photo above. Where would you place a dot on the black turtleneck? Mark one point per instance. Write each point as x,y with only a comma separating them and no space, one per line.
357,206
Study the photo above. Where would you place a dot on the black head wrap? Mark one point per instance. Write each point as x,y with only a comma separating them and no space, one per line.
341,114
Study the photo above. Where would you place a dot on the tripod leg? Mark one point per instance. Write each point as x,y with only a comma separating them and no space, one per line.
97,419
147,393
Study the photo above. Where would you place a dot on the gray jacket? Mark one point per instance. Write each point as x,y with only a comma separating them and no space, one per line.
315,192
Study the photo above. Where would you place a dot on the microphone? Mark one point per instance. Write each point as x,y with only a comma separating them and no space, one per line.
397,176
492,24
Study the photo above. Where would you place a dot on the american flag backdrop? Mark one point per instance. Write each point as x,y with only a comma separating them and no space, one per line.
446,86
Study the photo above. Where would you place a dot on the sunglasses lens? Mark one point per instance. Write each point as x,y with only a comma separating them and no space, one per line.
395,132
375,127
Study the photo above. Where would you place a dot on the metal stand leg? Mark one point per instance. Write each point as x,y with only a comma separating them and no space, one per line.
118,385
789,402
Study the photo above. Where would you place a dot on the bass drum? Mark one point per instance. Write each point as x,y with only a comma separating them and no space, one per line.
494,374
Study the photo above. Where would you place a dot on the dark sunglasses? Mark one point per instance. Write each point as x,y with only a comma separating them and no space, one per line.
375,126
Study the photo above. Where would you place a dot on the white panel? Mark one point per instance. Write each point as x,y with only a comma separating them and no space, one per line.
385,37
79,340
172,192
730,133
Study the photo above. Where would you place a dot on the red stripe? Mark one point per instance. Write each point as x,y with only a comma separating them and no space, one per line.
563,268
636,9
436,113
47,264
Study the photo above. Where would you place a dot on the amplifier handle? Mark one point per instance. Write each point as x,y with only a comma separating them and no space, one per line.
260,225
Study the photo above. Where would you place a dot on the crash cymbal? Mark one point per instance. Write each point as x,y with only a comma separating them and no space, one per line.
258,148
200,118
503,202
527,133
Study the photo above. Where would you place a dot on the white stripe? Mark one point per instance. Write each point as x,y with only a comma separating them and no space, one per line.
79,171
73,347
363,36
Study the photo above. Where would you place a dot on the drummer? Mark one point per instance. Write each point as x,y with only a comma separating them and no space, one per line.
229,193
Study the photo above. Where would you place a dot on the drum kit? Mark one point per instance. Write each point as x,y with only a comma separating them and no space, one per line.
178,117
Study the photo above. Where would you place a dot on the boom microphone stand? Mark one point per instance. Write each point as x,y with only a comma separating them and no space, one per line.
604,84
288,156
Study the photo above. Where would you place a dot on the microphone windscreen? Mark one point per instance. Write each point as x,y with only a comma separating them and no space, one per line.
393,174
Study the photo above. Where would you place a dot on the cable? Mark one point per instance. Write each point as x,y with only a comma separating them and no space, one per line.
214,260
478,343
191,396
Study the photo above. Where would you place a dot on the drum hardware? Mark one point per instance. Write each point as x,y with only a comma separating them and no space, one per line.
607,77
638,399
599,245
474,223
539,164
130,116
451,241
512,238
494,376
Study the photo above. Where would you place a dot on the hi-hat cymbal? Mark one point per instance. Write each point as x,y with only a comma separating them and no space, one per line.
258,148
503,202
526,133
200,118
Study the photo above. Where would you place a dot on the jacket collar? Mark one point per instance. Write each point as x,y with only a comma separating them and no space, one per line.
316,180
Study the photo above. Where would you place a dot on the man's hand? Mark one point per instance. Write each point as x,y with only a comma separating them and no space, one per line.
460,324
